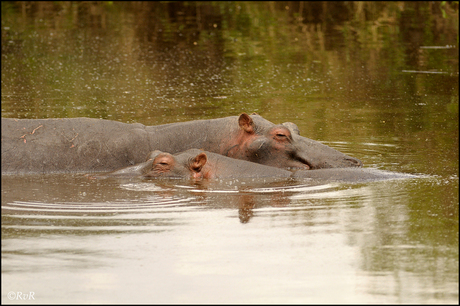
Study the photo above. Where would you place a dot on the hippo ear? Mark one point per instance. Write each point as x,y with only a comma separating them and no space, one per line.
199,161
246,123
292,127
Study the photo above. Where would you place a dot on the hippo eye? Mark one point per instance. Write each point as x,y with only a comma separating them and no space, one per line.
281,136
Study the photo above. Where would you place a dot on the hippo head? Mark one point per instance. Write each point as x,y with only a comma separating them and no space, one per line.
181,166
318,155
266,144
258,140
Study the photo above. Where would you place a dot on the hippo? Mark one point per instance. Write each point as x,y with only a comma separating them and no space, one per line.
96,145
198,165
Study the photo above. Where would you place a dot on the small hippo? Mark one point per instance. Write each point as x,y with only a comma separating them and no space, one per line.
198,164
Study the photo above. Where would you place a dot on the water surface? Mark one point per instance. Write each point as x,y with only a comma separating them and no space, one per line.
377,81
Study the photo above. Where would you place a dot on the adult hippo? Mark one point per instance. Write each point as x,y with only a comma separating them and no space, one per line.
87,145
197,164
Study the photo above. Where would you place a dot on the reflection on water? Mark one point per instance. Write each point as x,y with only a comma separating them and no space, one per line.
374,80
287,241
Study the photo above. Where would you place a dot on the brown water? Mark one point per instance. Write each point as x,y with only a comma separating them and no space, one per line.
376,81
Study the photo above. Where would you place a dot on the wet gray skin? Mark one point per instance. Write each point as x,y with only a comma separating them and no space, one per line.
91,145
197,164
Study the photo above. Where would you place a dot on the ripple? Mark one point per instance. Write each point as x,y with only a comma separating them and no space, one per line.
378,144
151,215
142,187
298,188
258,190
214,191
151,203
334,194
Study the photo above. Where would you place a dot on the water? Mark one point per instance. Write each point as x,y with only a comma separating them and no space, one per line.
175,242
382,91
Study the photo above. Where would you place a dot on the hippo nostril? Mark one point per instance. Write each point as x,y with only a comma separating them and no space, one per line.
356,162
306,164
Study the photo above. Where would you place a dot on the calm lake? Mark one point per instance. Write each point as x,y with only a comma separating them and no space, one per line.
375,80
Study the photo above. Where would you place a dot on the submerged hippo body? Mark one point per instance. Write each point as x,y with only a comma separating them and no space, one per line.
198,164
91,145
